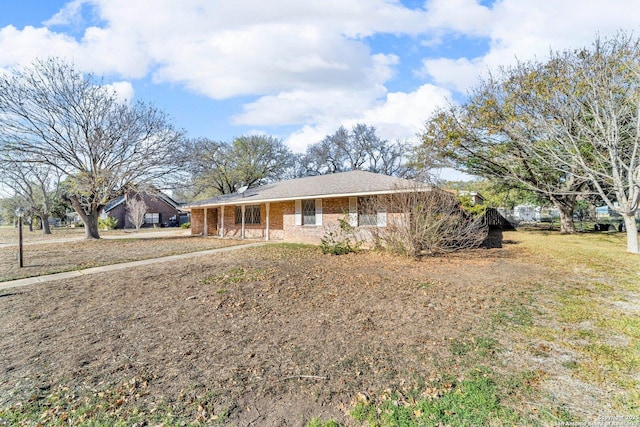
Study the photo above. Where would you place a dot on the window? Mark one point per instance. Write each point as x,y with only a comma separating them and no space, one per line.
251,214
369,212
152,218
309,212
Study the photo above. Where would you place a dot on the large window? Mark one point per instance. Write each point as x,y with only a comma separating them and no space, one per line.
370,213
309,212
251,214
152,218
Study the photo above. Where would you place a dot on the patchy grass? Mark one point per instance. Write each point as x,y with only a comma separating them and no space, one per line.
48,258
589,309
118,405
542,331
470,401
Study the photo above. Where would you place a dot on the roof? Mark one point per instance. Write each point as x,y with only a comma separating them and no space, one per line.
121,199
114,203
344,184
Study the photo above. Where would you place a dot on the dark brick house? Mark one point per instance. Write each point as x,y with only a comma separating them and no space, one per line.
162,211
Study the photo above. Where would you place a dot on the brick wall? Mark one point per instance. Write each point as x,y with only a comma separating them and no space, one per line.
154,205
281,222
118,213
332,211
197,221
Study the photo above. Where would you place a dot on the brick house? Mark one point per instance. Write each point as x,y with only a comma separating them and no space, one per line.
162,210
298,210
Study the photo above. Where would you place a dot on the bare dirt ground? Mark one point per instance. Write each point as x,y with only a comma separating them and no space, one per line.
63,251
268,336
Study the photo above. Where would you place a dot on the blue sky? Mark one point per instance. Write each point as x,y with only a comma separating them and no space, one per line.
298,69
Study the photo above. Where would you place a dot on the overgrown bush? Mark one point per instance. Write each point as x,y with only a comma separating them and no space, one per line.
340,239
108,223
427,223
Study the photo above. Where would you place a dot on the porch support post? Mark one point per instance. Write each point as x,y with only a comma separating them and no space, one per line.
242,232
266,235
222,221
205,231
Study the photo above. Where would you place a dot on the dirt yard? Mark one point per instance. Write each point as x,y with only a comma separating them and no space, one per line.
56,255
271,336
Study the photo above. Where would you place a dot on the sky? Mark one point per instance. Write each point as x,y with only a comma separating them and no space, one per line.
299,69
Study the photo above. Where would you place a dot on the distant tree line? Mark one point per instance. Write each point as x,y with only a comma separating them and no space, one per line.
217,167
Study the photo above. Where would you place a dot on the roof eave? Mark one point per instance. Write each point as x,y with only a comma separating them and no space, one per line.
247,201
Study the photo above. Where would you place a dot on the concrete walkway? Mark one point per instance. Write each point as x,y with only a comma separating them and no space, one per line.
113,267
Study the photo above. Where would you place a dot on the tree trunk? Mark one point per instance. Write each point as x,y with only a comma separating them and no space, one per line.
91,226
632,233
46,229
90,219
565,205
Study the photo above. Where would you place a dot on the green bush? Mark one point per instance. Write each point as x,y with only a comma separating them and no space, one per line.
108,223
186,225
340,239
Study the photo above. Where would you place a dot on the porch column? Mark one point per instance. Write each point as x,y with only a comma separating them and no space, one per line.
266,236
222,222
205,231
242,232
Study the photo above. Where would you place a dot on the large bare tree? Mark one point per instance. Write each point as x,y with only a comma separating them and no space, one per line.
51,113
356,149
221,168
38,185
495,134
594,120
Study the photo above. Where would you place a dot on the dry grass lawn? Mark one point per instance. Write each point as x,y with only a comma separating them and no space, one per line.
46,254
542,330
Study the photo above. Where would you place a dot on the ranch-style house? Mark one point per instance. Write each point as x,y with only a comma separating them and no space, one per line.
298,210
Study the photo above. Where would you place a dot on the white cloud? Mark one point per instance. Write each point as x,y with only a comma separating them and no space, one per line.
69,14
463,16
124,90
458,74
309,134
398,115
21,47
311,64
402,115
521,30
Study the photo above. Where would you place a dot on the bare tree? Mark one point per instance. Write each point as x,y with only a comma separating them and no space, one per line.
356,149
594,118
136,210
221,168
52,114
38,185
495,134
425,223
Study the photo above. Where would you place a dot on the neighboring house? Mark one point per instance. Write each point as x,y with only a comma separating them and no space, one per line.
476,198
300,209
162,211
606,211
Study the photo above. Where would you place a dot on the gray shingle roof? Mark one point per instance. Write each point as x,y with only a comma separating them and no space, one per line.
353,183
